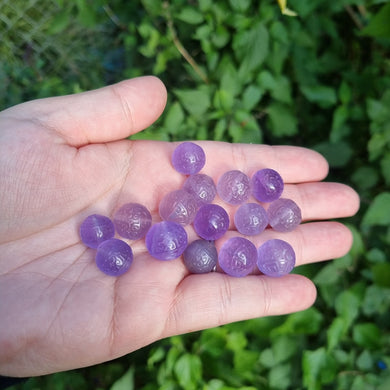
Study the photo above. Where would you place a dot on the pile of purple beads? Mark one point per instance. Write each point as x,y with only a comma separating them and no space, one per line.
192,204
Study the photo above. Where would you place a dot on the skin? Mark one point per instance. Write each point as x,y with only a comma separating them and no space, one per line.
65,158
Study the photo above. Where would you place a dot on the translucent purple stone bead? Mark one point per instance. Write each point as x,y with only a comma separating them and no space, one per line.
237,257
178,206
114,257
96,229
234,187
276,258
200,256
166,240
284,215
211,222
188,158
250,219
202,187
132,221
267,185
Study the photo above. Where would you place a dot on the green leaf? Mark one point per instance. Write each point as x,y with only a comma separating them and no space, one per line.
188,370
280,377
320,94
126,382
379,26
378,212
196,102
190,15
313,363
365,177
347,306
240,5
339,130
283,120
367,335
338,154
336,332
381,274
251,46
251,97
174,118
365,361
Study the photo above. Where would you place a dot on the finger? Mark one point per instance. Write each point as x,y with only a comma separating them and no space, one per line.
294,164
103,115
312,242
323,200
205,301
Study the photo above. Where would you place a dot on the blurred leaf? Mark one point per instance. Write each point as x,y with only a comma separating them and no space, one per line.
338,154
367,335
251,97
336,332
378,212
347,306
174,118
339,130
240,5
188,370
365,361
190,15
322,95
313,363
251,46
379,26
196,102
283,121
381,274
59,23
365,177
126,382
280,377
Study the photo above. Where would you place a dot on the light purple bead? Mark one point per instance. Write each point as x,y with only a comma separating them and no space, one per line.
284,215
178,206
132,221
188,158
267,185
211,222
250,219
234,187
95,229
276,258
237,257
114,257
202,187
166,240
200,256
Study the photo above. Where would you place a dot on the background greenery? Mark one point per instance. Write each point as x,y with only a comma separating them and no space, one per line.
242,71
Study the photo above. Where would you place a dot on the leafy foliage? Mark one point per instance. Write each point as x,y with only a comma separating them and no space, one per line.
243,71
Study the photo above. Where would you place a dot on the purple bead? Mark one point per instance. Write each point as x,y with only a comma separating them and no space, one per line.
132,221
188,158
284,215
211,222
166,240
202,187
114,257
267,185
234,187
178,206
200,256
276,258
237,257
250,219
95,229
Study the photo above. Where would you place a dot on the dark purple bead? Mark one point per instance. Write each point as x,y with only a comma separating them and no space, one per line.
234,187
132,221
267,185
188,158
166,240
284,215
211,222
237,257
200,256
178,206
202,187
95,229
114,257
276,258
250,219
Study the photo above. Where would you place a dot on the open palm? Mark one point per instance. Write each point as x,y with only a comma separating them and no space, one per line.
64,158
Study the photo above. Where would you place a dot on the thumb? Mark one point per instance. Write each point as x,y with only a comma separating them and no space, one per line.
107,114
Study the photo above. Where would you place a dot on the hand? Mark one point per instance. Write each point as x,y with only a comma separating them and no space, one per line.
67,157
